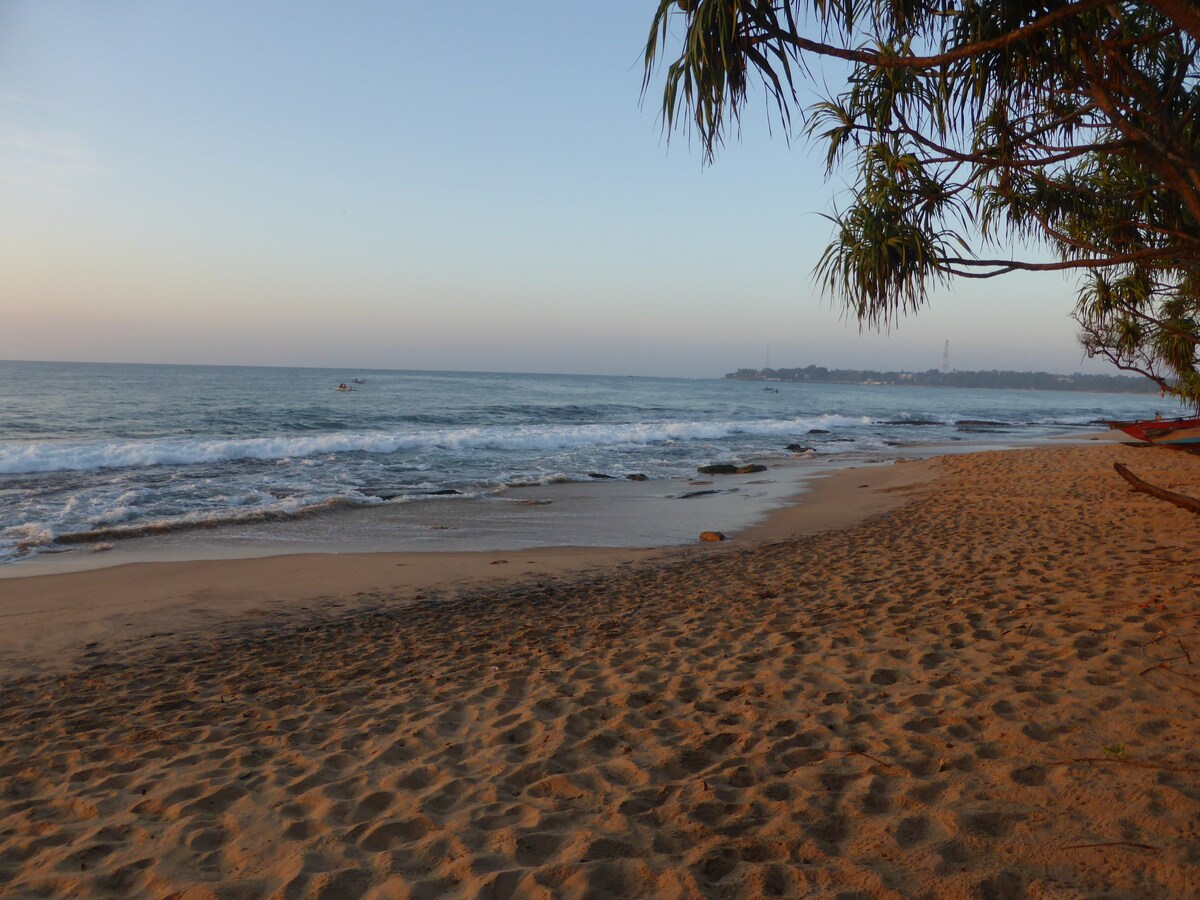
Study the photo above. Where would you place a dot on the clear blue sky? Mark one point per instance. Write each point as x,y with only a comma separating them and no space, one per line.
420,185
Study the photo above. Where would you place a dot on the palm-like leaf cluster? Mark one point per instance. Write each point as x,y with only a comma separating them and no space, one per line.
1005,124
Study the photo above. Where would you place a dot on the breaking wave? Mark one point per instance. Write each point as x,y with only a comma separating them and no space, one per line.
198,521
63,456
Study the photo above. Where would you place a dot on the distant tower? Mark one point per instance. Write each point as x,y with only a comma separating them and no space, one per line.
946,358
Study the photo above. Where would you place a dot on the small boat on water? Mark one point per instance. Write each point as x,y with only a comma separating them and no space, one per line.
1173,432
359,381
343,387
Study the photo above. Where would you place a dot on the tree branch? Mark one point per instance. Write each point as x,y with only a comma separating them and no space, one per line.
1184,13
1009,265
1183,501
889,61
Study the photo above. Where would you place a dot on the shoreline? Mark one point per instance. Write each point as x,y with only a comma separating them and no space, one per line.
55,619
976,692
57,615
613,514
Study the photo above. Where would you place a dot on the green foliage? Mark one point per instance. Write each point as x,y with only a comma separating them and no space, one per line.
1073,125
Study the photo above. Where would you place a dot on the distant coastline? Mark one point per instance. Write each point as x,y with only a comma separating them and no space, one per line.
1001,380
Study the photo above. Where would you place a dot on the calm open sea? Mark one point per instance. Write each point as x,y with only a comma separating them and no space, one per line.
96,453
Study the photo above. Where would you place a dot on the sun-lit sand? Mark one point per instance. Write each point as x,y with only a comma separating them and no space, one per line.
988,687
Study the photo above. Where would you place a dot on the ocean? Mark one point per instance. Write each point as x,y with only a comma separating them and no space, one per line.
92,455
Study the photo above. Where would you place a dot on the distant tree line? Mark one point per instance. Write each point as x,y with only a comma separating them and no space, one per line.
1029,381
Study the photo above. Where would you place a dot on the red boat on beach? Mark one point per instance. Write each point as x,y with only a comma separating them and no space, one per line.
1163,431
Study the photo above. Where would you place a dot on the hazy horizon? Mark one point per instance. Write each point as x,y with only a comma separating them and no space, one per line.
423,188
360,369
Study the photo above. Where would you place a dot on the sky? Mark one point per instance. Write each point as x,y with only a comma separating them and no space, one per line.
468,186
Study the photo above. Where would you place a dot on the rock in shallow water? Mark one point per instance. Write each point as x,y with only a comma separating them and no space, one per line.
730,469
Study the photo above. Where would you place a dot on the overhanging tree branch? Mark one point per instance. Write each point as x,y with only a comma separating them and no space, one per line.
771,31
1073,125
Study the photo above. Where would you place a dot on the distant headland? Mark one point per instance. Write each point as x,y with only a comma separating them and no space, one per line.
1018,381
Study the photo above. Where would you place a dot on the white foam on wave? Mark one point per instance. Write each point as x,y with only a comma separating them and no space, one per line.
60,456
292,508
115,515
540,480
20,539
1091,419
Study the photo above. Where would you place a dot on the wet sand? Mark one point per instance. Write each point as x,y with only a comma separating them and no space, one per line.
977,678
88,606
600,513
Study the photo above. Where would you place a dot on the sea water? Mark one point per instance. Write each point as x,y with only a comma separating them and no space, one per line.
92,454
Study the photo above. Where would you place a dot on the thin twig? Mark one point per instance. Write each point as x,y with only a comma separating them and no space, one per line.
1172,659
828,753
1109,844
1136,763
1166,667
1161,635
872,758
1163,663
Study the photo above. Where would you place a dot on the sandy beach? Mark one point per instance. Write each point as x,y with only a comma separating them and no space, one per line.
971,676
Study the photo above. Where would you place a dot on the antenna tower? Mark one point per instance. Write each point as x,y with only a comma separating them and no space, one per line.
946,358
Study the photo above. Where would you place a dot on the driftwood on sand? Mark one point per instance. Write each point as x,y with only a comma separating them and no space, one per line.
1180,500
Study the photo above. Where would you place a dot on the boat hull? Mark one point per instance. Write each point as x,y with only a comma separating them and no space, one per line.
1184,436
1163,431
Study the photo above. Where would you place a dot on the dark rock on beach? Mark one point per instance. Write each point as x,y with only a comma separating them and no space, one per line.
730,469
637,476
444,492
817,431
599,475
798,448
691,494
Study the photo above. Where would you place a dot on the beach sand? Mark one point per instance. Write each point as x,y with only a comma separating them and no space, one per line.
988,687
